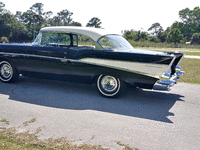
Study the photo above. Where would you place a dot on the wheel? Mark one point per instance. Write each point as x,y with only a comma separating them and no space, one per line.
7,72
110,86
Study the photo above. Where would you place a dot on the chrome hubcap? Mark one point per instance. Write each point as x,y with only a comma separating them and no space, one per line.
109,83
6,71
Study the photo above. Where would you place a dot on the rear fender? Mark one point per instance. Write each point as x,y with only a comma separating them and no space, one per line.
177,61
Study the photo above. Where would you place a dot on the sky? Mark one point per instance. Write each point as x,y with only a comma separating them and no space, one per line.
114,15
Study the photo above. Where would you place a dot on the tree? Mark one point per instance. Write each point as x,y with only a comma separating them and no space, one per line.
196,38
12,28
175,36
18,15
64,17
34,19
156,27
163,37
75,24
55,21
37,8
33,22
135,35
2,5
190,16
141,36
154,39
47,19
190,22
183,29
94,22
2,9
130,35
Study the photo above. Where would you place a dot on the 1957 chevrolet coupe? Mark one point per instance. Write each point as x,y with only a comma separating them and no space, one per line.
88,55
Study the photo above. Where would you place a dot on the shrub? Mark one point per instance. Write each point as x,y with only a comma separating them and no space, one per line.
4,39
154,39
196,38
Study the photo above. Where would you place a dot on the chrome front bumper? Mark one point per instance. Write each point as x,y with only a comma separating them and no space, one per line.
172,79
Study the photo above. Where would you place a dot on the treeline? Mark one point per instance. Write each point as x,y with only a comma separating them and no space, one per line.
24,26
187,30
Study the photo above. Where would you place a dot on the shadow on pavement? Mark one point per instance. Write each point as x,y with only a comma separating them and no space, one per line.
147,104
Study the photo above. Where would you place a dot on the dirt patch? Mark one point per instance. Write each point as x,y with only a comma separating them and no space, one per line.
10,138
26,123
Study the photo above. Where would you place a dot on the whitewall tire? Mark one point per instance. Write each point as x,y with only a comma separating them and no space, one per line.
110,86
8,73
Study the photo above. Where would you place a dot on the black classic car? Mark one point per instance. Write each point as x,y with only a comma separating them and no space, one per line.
88,55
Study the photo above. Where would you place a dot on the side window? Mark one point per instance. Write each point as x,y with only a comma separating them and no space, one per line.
56,39
68,40
85,42
82,42
64,39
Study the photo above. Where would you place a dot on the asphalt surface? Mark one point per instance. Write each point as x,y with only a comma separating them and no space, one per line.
145,119
193,57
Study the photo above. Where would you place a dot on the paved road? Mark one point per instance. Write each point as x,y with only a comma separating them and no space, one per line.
193,57
145,119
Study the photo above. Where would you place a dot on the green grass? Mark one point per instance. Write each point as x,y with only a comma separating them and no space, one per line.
161,45
192,70
193,53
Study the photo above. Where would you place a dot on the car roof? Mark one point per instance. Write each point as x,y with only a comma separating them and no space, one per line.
93,33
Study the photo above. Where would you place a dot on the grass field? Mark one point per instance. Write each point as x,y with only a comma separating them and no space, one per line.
192,70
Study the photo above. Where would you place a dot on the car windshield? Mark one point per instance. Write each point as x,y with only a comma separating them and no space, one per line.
114,42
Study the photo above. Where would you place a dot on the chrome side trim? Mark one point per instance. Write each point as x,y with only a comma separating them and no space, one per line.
29,55
39,56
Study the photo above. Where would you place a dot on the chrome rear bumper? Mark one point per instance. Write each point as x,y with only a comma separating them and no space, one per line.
173,78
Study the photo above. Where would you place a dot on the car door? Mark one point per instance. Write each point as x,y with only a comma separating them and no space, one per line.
78,70
47,60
